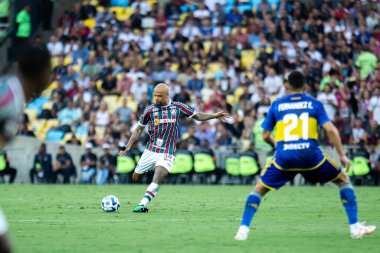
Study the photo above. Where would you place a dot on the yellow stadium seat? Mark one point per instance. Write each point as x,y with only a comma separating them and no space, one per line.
207,46
126,14
214,67
133,106
76,68
51,123
111,99
119,10
38,125
54,62
68,60
151,2
49,89
100,131
182,19
234,30
231,99
100,9
174,67
119,76
48,105
196,67
32,114
66,138
248,57
94,2
99,84
238,92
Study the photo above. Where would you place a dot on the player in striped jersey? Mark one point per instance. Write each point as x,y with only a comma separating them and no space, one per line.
32,73
162,120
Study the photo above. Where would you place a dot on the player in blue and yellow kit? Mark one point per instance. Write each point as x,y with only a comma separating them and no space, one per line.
295,119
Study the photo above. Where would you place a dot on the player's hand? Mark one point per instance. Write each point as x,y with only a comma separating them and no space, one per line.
223,116
123,151
345,162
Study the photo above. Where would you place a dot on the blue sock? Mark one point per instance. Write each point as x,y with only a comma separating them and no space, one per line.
251,206
348,198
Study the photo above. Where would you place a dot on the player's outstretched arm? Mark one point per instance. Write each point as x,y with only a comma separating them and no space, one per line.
135,135
201,116
334,136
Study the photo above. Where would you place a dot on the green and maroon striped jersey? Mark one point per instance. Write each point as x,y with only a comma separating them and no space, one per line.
162,122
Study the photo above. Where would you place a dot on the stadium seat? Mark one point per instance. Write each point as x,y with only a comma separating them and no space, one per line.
32,114
126,14
204,162
76,67
359,166
66,137
68,60
54,135
94,2
100,131
111,99
122,3
51,123
207,46
125,164
48,105
248,164
100,9
47,92
99,84
183,162
182,18
151,2
54,62
174,67
214,67
233,165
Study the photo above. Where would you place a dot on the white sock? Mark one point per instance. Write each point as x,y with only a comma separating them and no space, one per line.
150,193
354,227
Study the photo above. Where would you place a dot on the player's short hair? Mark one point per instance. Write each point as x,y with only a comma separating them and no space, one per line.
296,79
33,62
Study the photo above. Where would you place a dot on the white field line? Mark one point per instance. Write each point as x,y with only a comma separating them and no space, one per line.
115,220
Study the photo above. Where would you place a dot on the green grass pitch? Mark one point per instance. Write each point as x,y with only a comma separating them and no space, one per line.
184,219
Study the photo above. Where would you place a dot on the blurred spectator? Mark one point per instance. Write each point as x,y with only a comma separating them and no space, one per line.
70,114
102,115
88,163
74,141
358,133
329,101
63,166
124,111
106,166
5,168
42,166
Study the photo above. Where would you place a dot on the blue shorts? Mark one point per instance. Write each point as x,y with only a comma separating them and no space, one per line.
273,177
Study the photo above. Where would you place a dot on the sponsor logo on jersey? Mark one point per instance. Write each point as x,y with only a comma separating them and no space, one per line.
164,121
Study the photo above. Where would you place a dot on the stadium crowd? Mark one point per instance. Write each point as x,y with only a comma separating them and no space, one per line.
214,54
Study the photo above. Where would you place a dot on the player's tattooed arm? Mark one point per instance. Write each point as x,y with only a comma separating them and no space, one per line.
201,116
134,137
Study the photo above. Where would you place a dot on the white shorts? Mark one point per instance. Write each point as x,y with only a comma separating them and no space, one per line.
150,160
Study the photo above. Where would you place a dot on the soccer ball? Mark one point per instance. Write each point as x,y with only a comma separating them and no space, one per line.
110,203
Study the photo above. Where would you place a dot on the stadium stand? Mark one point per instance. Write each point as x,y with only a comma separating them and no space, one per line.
227,54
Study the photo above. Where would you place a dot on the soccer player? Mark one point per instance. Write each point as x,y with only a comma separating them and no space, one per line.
32,73
296,118
162,119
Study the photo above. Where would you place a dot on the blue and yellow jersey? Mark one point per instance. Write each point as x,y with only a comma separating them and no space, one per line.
295,119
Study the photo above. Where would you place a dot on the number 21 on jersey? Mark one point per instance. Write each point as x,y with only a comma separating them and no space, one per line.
292,122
